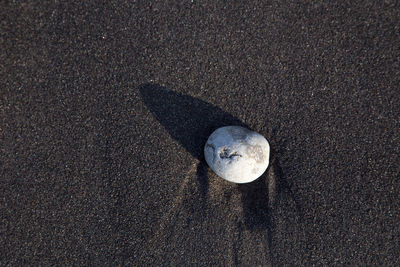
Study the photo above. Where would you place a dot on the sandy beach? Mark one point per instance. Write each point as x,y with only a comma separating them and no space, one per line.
106,107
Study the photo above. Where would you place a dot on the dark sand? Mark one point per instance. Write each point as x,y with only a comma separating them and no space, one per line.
105,109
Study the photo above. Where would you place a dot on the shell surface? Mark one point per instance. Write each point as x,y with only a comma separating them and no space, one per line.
237,154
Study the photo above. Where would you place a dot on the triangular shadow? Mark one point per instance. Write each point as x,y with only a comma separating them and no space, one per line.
187,119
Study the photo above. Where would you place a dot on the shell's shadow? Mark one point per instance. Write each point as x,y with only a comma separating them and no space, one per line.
187,119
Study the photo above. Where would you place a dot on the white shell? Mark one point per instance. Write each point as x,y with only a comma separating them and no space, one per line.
237,154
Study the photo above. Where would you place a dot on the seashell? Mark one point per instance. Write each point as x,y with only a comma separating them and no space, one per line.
237,154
